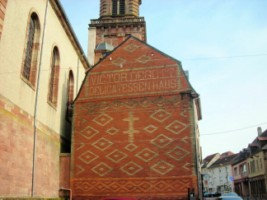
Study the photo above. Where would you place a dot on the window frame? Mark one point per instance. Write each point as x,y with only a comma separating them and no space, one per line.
53,86
31,50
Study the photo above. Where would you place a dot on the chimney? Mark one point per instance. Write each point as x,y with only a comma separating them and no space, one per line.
186,74
259,131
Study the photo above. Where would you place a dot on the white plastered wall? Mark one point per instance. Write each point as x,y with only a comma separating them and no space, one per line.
12,45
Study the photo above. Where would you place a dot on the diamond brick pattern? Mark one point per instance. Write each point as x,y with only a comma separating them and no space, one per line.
131,168
118,62
139,127
131,147
129,186
87,157
161,141
176,127
116,156
144,59
89,132
102,119
102,144
102,169
162,167
112,131
151,129
146,155
178,153
131,48
160,115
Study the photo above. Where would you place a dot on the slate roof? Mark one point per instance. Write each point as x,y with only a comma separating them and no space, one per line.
224,160
259,143
104,46
241,156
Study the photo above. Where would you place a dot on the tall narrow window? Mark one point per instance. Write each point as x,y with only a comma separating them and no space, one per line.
122,7
54,78
114,7
70,87
29,68
70,96
118,7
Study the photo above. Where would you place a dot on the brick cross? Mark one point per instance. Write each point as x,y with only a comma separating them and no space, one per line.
131,119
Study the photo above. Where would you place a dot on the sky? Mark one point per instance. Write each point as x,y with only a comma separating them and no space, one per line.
223,45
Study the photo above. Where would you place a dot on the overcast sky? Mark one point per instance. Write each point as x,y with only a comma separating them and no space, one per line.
223,45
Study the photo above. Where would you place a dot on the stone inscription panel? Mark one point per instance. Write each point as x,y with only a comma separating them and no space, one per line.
133,82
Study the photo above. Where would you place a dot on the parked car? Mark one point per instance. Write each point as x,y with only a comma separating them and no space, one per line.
211,194
230,196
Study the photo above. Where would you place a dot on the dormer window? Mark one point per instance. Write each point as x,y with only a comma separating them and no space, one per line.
118,7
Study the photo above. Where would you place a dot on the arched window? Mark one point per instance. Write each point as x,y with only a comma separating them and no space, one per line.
70,96
29,66
70,87
54,78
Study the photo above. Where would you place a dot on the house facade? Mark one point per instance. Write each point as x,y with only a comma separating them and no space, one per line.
218,176
240,168
135,130
249,168
205,171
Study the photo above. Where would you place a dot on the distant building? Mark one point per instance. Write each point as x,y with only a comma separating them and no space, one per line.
250,170
240,168
218,176
206,163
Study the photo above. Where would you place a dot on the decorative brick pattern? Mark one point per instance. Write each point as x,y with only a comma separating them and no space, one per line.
128,187
137,140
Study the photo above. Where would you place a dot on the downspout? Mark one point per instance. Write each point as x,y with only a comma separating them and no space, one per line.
36,105
197,151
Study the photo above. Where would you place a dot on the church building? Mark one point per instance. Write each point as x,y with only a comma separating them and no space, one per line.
41,70
135,132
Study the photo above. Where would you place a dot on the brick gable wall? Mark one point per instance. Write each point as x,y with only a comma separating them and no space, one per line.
133,128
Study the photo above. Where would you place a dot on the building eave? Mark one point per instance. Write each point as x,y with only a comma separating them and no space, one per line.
56,5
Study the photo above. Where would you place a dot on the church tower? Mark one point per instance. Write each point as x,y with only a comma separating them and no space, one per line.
118,19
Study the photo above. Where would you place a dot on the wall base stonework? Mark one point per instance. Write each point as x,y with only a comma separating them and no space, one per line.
16,155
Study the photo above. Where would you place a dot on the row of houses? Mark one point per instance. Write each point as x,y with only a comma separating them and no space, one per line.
243,173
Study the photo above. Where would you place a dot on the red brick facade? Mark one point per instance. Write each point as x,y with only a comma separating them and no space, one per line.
3,4
16,154
133,130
